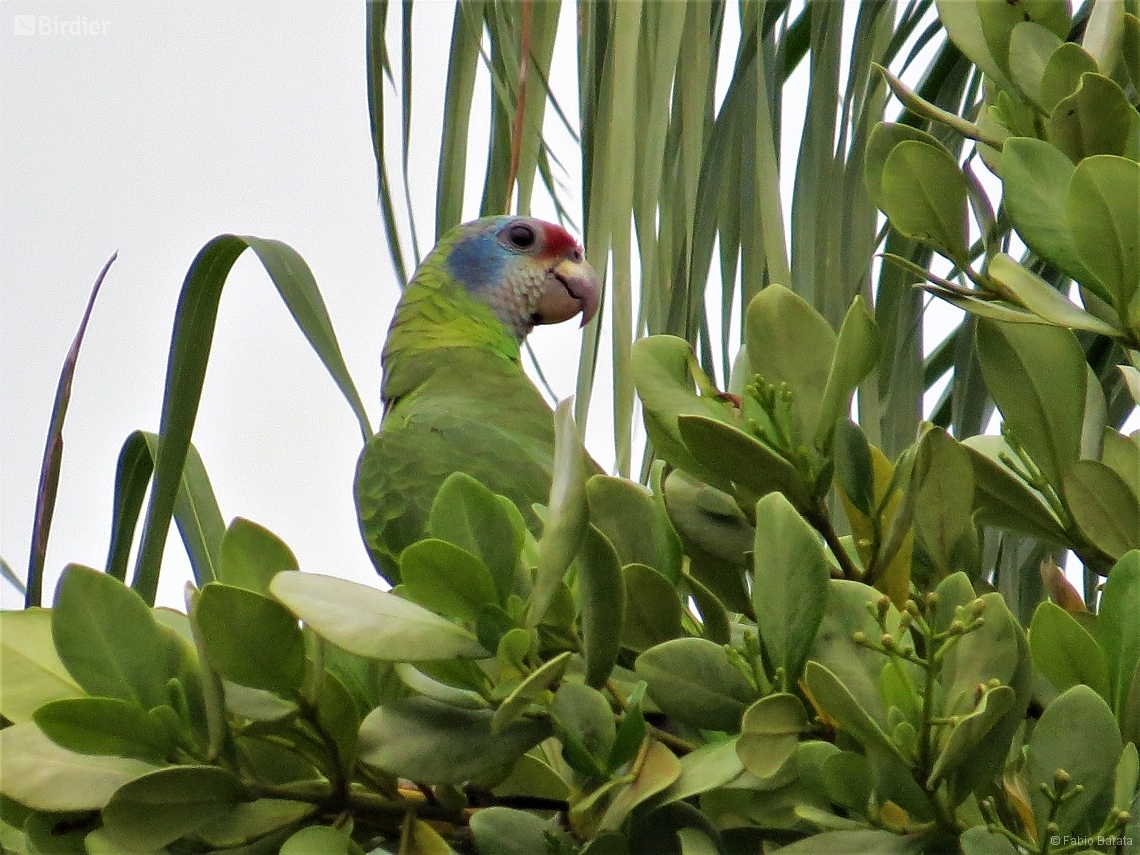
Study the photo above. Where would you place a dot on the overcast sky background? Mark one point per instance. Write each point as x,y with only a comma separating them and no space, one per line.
156,127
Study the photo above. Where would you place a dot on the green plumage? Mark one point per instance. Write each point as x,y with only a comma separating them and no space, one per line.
456,400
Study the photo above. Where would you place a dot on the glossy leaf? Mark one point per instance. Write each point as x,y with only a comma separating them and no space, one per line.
44,776
653,608
769,734
251,639
1118,625
789,583
161,807
924,197
107,638
1104,506
603,601
31,673
105,726
567,514
427,741
1076,733
372,623
1065,653
467,514
1037,377
251,556
694,680
1104,215
447,579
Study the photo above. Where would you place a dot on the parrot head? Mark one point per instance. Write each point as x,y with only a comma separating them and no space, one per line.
486,284
526,271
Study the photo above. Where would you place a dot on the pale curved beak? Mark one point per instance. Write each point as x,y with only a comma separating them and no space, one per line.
570,288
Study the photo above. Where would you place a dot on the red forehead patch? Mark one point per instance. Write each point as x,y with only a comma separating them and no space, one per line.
557,241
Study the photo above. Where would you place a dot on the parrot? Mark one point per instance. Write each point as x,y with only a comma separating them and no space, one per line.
455,396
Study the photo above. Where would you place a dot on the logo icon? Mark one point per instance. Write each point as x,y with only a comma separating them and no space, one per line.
23,25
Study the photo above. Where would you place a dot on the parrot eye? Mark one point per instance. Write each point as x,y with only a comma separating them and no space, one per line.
521,235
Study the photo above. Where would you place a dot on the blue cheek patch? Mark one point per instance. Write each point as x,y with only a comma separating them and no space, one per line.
477,262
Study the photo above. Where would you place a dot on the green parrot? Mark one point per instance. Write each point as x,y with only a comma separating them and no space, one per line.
455,396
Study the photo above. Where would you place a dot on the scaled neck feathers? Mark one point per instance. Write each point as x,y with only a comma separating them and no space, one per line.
436,314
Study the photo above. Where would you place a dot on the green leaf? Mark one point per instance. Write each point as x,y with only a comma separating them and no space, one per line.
248,821
658,771
884,138
537,682
1126,776
1065,653
847,612
1076,733
251,639
1104,507
665,371
790,342
105,726
567,514
1104,215
769,734
741,459
432,743
504,831
945,502
163,806
995,653
969,731
979,840
371,623
1130,47
708,768
107,638
586,728
1063,73
869,841
1044,300
1035,177
1096,119
195,508
635,523
31,673
43,776
467,514
1002,498
631,731
829,695
789,587
653,608
963,23
856,353
447,579
1030,47
186,371
924,197
1037,378
854,468
1118,625
694,680
1000,19
602,595
251,556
